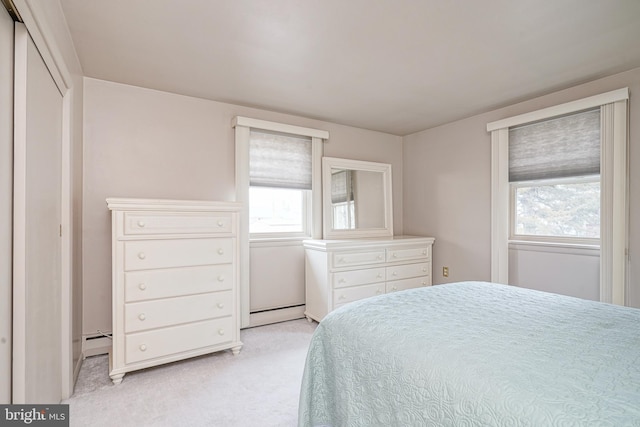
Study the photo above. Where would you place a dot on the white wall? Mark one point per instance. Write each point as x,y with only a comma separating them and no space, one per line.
573,272
151,144
276,280
447,184
369,206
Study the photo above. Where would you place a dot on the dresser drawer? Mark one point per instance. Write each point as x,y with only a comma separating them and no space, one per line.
411,252
409,270
177,223
139,316
415,282
358,277
147,254
164,342
173,282
345,295
348,259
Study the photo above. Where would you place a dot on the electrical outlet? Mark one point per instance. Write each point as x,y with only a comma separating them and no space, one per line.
445,271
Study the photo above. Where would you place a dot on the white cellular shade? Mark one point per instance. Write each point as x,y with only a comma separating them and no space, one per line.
567,146
280,161
341,188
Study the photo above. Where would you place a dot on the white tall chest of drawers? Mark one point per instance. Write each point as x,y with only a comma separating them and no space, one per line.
175,287
341,271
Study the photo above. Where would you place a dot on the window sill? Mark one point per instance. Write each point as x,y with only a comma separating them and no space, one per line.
589,249
277,241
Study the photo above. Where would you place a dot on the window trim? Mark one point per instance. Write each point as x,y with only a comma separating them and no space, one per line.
613,196
243,126
561,109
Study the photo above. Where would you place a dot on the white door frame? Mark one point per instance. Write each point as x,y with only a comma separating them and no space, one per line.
66,355
6,203
37,282
35,19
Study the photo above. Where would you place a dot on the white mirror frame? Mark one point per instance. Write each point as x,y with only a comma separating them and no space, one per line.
329,163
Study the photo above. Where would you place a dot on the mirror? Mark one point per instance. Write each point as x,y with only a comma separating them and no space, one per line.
356,199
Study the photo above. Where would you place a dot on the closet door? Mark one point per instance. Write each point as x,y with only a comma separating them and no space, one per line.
37,325
6,200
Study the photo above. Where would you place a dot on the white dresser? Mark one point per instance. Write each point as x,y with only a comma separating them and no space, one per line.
175,281
341,271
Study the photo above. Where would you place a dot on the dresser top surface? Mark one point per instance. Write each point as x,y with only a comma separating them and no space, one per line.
365,242
127,204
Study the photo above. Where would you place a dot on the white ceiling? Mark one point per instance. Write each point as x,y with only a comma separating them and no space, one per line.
396,66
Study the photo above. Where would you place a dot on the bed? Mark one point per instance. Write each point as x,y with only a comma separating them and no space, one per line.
473,354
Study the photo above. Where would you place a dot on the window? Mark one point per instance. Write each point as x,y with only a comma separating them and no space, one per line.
509,216
278,182
567,209
275,197
554,176
280,170
277,210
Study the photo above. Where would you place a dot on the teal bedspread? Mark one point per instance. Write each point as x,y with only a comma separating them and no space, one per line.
474,354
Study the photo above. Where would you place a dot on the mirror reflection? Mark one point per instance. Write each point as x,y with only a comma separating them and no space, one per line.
356,200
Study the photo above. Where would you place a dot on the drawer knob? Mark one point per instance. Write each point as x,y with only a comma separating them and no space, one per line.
341,281
143,347
142,286
395,288
379,256
342,297
142,316
221,278
394,273
424,252
141,255
221,251
220,223
378,291
141,224
379,276
340,259
424,283
424,269
395,255
220,331
220,305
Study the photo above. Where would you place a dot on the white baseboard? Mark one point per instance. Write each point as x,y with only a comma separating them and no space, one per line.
275,316
95,346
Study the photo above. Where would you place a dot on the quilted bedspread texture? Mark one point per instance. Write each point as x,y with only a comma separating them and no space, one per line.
474,354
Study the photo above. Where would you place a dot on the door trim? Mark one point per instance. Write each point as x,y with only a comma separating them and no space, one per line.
21,38
29,279
35,20
6,204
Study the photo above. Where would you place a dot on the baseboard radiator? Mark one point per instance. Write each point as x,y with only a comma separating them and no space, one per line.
265,317
95,344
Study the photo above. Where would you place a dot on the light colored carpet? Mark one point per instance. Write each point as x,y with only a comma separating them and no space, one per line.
259,387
